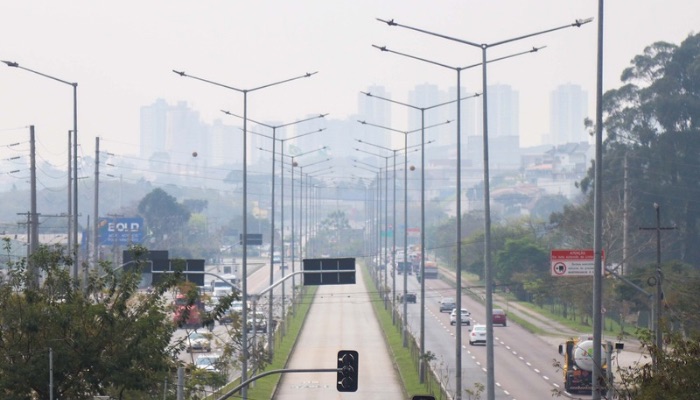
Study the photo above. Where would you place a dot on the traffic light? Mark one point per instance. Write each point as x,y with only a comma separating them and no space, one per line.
348,362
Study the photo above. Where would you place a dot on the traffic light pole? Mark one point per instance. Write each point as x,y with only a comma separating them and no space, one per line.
276,371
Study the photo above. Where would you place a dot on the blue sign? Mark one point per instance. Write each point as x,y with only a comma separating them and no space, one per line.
121,231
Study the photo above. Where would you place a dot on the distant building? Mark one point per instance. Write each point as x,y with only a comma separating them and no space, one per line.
567,111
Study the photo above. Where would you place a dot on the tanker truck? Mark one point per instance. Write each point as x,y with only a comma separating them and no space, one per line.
578,365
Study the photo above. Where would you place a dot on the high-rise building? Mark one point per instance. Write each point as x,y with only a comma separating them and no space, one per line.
568,109
503,111
503,129
376,112
154,126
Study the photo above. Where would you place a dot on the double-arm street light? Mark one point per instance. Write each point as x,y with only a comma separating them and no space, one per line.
72,222
272,212
490,384
405,216
292,164
386,217
244,262
301,201
422,215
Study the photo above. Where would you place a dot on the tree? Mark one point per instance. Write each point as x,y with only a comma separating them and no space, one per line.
165,218
653,122
105,339
676,374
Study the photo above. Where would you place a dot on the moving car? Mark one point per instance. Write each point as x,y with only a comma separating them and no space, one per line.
464,318
447,304
477,335
499,317
208,363
410,298
257,323
197,342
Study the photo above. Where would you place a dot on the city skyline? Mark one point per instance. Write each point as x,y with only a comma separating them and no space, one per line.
119,70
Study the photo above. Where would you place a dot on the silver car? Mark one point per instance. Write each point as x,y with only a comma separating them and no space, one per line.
447,304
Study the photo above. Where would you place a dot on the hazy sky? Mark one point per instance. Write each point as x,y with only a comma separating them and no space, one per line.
122,53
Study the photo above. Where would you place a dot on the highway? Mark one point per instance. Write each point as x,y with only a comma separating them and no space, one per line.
523,362
258,280
341,318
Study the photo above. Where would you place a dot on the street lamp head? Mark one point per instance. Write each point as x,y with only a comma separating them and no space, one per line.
382,48
580,22
181,73
11,63
362,122
389,22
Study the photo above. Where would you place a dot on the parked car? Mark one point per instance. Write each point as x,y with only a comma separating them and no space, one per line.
209,362
464,318
447,304
477,335
499,317
410,298
197,342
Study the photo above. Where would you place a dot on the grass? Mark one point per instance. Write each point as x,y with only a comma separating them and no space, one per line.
404,362
264,388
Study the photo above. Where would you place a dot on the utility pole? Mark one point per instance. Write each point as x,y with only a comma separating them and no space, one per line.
95,218
34,221
625,216
658,280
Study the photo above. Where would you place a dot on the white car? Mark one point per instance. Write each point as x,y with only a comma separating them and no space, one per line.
477,335
197,342
465,317
208,363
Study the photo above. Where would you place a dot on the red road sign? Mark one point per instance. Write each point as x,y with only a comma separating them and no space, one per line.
572,262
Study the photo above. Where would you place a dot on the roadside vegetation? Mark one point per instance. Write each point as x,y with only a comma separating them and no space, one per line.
405,359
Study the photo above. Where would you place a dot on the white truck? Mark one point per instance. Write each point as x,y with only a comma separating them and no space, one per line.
221,288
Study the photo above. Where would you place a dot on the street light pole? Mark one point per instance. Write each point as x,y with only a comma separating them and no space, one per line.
490,386
422,218
244,263
272,215
74,220
405,217
386,217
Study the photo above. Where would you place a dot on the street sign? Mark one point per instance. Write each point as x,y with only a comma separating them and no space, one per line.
252,239
573,262
341,271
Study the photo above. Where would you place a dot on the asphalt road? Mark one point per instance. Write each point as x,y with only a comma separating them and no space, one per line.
341,318
524,363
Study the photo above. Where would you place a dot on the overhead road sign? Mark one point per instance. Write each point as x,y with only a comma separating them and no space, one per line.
252,239
340,271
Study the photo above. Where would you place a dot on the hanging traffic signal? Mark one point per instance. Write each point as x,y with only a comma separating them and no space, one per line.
348,362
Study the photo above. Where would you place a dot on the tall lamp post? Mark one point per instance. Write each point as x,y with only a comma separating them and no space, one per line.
244,263
422,217
490,383
386,216
405,217
72,222
292,164
301,202
282,141
272,216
